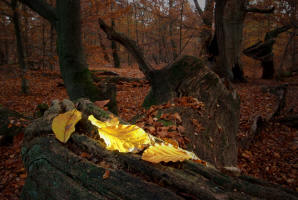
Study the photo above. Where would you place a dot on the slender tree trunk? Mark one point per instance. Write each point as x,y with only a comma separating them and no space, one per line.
103,47
207,18
136,21
180,27
20,50
5,58
294,46
294,43
43,27
173,43
27,51
52,49
285,53
114,50
52,44
128,33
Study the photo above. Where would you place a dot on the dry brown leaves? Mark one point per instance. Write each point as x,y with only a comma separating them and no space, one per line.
42,89
274,154
273,157
169,125
12,171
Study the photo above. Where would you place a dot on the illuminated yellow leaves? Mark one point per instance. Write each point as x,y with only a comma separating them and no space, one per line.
166,152
64,124
124,138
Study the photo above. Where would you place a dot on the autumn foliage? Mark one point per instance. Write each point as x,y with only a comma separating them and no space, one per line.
163,32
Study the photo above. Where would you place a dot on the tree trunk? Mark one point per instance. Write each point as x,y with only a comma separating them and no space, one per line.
84,169
73,66
44,45
180,27
103,48
207,18
263,51
229,19
114,49
171,23
20,49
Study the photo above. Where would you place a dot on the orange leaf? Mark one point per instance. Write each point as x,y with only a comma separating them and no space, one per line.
106,174
102,104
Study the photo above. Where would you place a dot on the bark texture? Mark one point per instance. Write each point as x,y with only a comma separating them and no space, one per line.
226,43
57,171
20,48
66,19
263,51
229,19
189,76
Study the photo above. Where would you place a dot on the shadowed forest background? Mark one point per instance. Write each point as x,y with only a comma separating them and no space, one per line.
253,50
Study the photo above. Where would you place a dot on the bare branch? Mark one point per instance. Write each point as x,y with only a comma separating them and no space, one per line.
258,10
199,9
43,9
131,47
274,33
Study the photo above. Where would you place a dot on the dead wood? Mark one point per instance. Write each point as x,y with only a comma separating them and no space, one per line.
59,171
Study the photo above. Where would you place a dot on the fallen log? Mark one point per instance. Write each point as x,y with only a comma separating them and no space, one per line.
84,169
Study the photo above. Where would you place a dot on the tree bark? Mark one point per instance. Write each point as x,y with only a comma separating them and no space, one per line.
263,51
76,76
20,49
114,49
229,19
206,32
59,171
171,23
180,27
73,66
103,47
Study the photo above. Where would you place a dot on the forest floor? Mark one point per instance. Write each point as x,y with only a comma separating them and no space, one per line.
272,156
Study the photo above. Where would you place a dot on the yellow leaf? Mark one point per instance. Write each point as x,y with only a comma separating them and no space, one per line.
124,138
166,152
64,124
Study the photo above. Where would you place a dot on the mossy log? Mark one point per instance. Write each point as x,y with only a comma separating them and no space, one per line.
189,76
60,171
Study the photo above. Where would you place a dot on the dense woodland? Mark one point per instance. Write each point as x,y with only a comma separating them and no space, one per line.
145,61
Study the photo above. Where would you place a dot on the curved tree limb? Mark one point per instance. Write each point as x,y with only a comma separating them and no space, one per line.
131,46
199,9
259,10
274,33
43,9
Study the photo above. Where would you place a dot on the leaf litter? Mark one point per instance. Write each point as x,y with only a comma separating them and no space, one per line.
272,156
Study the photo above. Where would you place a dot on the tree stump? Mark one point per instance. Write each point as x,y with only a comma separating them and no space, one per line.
83,169
189,76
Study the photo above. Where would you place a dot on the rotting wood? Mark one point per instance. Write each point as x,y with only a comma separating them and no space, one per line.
57,171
